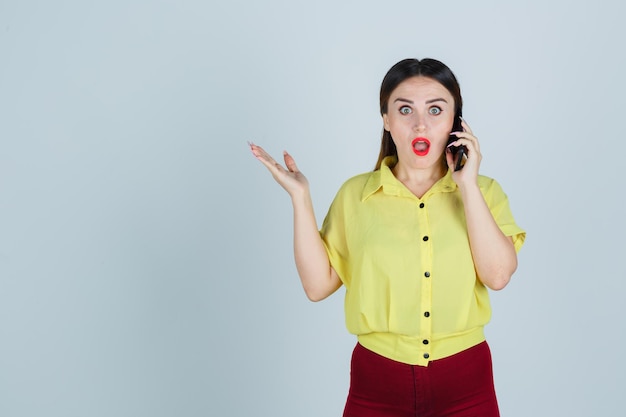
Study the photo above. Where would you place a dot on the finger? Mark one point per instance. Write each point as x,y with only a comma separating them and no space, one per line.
464,138
272,165
450,159
255,149
466,126
469,142
290,162
261,154
266,159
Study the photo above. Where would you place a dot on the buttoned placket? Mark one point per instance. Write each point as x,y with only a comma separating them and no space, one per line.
426,278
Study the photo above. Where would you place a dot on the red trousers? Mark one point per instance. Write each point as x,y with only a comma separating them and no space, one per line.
460,385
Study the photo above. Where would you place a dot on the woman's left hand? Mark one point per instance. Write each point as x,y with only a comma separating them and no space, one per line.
469,172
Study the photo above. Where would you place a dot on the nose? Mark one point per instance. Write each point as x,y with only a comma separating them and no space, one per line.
419,123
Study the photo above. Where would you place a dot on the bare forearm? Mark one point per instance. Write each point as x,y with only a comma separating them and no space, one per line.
318,278
494,255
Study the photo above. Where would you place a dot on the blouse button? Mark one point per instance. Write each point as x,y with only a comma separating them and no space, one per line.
425,238
426,356
425,341
426,314
421,205
427,274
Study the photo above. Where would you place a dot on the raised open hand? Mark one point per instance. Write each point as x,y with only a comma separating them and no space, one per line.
291,179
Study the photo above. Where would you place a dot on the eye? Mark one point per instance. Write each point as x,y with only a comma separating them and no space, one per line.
405,110
434,110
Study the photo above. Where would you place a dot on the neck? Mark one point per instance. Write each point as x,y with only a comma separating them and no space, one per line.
418,180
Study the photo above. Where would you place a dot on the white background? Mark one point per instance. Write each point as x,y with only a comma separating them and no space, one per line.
145,256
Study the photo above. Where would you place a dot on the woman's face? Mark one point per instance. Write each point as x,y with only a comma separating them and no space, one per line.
420,113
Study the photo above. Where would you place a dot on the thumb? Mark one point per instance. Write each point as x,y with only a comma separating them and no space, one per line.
290,162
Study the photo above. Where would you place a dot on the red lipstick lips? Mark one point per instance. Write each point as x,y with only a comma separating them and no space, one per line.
421,146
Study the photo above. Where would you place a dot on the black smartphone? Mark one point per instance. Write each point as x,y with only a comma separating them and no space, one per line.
458,152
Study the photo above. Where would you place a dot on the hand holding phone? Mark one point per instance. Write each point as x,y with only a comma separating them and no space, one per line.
459,153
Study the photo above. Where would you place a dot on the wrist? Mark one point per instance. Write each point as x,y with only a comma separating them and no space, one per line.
468,188
300,196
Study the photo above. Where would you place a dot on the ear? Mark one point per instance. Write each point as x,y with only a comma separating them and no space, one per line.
386,122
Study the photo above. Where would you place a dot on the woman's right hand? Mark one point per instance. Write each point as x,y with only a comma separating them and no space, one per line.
291,179
319,279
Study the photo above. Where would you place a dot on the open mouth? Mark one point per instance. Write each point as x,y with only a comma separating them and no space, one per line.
421,146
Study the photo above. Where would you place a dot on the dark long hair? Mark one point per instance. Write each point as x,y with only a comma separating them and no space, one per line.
403,70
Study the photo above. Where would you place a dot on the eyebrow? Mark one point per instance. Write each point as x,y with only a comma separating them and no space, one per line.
427,101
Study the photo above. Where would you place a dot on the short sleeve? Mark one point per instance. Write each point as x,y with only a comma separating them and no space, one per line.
333,233
498,204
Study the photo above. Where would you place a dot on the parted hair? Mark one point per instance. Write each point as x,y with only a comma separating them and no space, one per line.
403,70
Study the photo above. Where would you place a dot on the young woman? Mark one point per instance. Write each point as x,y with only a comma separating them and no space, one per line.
416,243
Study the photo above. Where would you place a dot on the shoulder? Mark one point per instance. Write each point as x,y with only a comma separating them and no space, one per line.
488,184
351,192
491,191
355,185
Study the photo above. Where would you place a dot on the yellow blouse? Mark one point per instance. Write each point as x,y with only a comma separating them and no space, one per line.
412,294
